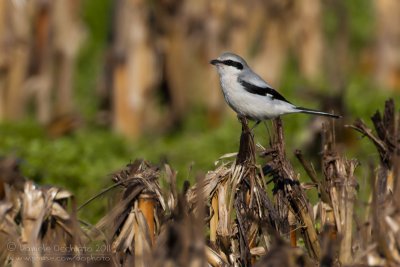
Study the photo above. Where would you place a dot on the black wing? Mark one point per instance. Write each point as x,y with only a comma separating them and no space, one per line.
264,91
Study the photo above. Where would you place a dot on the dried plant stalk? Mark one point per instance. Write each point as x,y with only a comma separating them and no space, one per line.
214,259
214,219
293,226
289,191
33,218
142,240
385,220
146,206
347,209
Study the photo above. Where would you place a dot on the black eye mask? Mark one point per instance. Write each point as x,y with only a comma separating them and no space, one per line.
232,63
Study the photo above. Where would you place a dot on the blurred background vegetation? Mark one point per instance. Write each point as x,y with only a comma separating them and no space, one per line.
87,86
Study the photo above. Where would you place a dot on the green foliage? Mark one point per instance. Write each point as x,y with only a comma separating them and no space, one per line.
355,19
80,162
194,149
361,24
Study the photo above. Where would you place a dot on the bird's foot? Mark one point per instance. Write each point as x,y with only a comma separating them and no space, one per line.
241,118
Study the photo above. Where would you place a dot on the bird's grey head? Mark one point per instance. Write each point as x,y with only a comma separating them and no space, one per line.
229,63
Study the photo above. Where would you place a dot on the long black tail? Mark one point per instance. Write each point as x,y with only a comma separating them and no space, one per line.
316,112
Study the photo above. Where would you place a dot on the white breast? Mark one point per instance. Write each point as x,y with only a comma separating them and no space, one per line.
253,106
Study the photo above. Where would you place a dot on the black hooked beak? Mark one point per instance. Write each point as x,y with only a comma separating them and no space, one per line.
215,61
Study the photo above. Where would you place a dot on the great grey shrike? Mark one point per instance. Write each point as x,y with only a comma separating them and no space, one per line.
249,95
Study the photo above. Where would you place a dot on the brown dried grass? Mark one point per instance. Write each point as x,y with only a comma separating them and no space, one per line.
227,218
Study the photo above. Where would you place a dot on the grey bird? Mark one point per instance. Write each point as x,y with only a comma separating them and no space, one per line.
249,95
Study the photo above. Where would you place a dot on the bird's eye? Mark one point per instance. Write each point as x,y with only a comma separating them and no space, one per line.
232,63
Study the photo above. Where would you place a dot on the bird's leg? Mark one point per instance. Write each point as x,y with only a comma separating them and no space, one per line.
266,126
255,125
